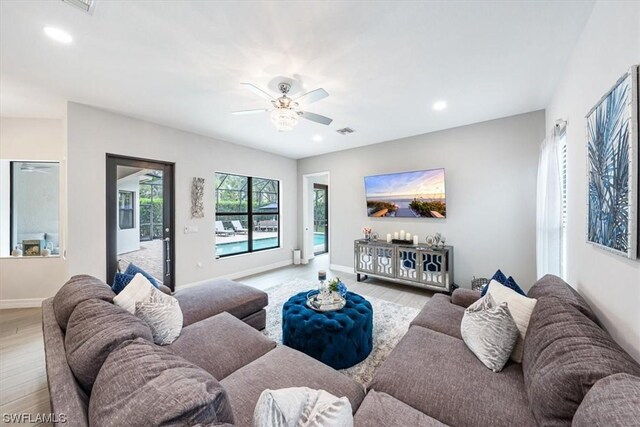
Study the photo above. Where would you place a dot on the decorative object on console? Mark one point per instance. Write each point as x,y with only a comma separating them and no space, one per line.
509,282
520,308
32,247
17,251
612,146
490,332
366,231
406,195
430,240
374,236
197,198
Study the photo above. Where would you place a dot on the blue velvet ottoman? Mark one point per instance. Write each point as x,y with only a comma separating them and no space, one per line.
339,338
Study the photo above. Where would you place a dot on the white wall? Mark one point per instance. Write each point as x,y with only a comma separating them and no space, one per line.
608,46
23,281
92,133
129,238
491,172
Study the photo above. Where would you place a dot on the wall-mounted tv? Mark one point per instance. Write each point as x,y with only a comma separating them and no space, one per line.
418,194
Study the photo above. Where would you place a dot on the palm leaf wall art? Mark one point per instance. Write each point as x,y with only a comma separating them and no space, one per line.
612,165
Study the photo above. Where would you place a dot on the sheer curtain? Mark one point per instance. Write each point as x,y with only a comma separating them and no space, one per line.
549,208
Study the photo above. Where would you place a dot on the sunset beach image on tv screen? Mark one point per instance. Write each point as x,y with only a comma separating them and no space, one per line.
418,194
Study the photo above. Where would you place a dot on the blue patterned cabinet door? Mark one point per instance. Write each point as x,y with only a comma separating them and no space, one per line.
364,258
407,263
433,267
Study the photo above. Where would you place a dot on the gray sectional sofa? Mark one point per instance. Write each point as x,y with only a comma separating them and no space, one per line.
103,369
572,371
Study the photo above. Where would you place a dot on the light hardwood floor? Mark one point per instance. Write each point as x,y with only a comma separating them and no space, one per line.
23,382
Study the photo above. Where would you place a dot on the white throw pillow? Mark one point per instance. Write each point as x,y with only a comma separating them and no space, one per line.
138,290
163,315
301,407
520,308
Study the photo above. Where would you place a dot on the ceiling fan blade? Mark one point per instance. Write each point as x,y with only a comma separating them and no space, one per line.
316,118
244,112
255,89
313,96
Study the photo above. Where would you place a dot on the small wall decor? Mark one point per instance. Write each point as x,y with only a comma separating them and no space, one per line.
32,247
197,198
612,167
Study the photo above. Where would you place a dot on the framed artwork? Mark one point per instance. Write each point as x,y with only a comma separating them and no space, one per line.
32,247
197,198
612,167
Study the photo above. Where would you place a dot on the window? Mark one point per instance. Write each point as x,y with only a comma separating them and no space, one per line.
125,210
563,183
247,214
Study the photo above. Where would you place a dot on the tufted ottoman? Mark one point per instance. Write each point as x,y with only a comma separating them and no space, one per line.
339,338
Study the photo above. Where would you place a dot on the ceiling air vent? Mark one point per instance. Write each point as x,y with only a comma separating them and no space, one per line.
345,131
86,6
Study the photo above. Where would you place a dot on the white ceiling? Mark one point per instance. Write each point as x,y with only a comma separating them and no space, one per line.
179,63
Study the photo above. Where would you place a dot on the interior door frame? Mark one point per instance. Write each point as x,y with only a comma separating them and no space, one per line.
324,187
168,211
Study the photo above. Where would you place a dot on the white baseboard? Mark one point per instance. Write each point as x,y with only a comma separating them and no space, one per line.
242,273
342,268
21,303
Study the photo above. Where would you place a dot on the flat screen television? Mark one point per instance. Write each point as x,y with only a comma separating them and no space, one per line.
418,194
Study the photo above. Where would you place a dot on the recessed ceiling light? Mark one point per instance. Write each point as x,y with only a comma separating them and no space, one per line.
58,35
317,138
440,105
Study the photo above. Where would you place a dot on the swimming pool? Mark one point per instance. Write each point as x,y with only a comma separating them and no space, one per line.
269,242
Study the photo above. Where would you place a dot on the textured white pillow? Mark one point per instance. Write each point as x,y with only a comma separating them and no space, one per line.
163,315
139,289
301,407
520,308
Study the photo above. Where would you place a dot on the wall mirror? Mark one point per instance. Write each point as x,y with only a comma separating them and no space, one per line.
29,208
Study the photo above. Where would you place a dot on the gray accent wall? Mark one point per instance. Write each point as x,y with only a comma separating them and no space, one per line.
491,170
608,46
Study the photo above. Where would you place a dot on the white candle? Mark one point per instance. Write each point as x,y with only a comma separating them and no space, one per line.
407,236
395,235
401,234
388,238
415,239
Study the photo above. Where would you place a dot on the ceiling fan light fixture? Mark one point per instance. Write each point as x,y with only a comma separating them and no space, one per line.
284,119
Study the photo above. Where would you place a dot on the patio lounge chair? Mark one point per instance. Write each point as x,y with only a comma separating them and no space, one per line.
221,231
268,225
237,226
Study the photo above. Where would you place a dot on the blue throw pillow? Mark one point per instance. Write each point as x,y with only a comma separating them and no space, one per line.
503,280
498,277
120,280
133,269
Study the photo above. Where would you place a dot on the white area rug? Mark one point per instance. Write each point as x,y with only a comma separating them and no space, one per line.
390,323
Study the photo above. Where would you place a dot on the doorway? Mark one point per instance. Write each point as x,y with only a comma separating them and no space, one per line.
320,219
140,217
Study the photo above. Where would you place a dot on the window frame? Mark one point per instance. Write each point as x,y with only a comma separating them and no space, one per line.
132,209
562,147
249,214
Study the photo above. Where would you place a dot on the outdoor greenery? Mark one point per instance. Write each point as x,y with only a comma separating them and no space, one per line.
377,206
424,208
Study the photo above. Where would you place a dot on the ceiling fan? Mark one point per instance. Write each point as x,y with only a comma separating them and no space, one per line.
286,111
28,167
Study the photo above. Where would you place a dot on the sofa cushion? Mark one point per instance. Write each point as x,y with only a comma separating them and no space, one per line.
382,410
214,297
553,286
77,289
284,367
612,401
221,344
141,384
464,297
302,407
163,315
96,328
520,308
489,332
438,375
138,290
440,315
565,353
